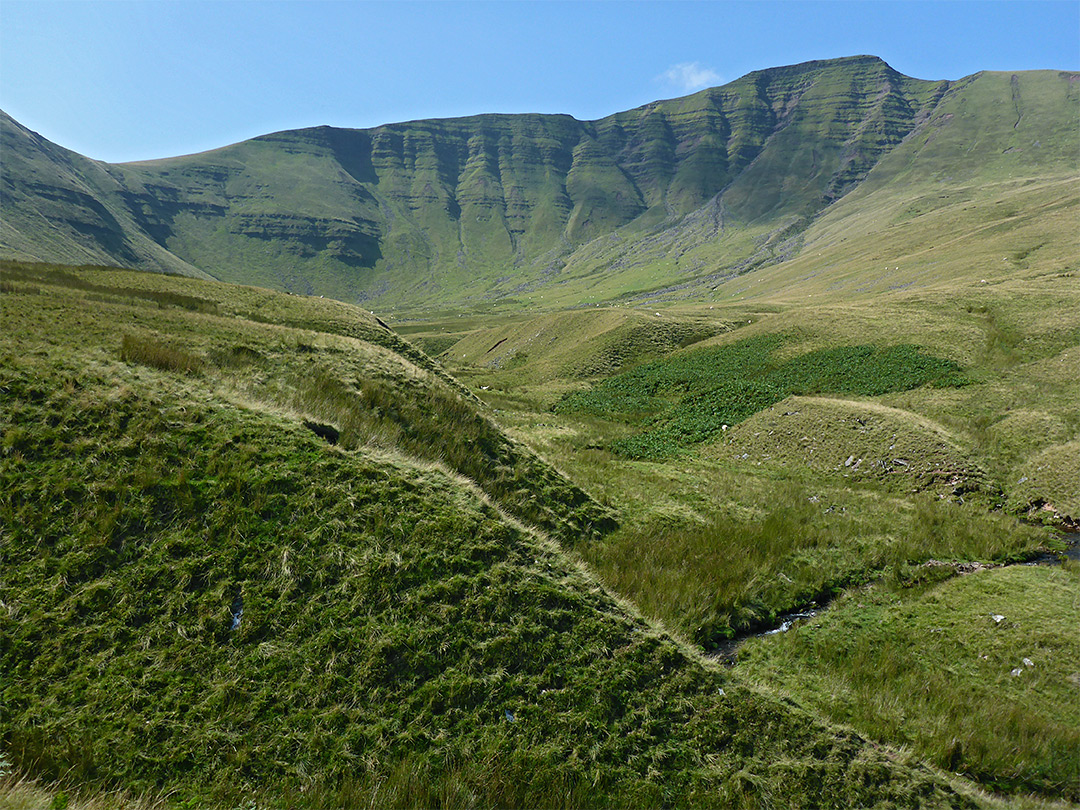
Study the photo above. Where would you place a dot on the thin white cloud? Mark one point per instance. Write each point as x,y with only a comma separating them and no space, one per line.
689,76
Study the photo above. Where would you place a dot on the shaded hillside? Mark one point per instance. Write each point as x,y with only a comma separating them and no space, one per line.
514,206
61,206
204,596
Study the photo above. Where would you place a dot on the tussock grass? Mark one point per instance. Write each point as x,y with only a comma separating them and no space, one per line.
935,670
204,598
397,634
148,351
322,359
18,793
72,279
436,424
736,572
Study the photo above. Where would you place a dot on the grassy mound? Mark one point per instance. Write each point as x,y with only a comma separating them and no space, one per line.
1047,482
977,673
206,598
861,441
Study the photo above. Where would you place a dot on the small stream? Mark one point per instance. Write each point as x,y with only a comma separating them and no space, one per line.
727,651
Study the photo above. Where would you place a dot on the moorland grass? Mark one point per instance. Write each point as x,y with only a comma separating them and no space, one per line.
151,352
735,571
693,524
977,673
274,362
323,360
208,600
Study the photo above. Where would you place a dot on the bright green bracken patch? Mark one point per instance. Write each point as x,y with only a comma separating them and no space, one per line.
692,396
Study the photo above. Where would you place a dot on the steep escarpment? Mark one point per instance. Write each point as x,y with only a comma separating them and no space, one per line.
61,205
502,206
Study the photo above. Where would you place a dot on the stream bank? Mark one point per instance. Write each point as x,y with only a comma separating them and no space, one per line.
727,652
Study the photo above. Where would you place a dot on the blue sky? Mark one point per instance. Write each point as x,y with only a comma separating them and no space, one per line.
131,80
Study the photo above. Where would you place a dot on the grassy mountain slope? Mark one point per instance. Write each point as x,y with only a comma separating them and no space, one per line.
559,345
677,195
986,189
63,207
353,380
208,598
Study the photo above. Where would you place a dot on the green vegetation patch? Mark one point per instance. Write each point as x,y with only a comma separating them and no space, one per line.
789,544
212,602
689,398
978,673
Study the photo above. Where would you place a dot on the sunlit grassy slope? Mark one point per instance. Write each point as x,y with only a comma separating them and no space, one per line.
820,493
933,668
231,576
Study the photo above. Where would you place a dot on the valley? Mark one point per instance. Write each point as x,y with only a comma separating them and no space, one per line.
583,403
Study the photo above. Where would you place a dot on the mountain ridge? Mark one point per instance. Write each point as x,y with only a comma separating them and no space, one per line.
499,206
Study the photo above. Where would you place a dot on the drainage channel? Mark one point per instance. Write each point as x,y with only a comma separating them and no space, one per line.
727,651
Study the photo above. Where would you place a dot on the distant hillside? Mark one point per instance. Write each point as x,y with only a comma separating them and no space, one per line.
684,193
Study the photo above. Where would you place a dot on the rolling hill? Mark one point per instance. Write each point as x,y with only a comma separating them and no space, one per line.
219,588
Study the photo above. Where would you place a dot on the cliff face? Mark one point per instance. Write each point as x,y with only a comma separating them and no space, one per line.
485,205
